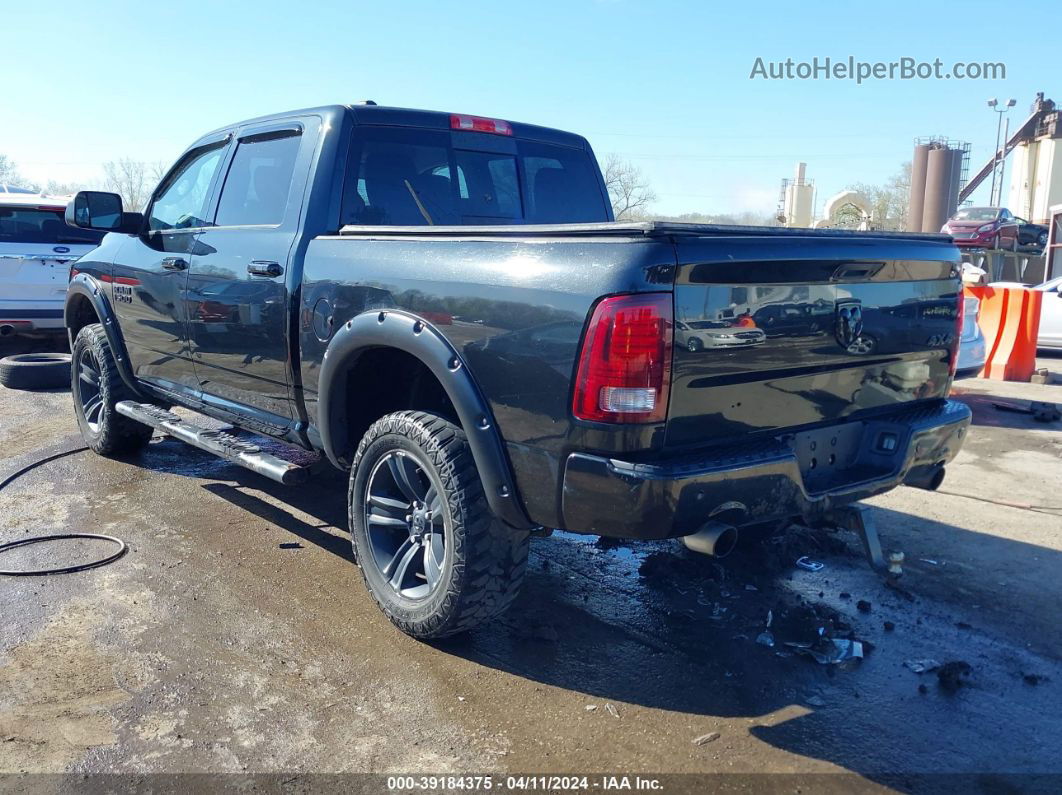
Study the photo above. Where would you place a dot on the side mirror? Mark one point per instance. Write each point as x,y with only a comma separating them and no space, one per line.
93,209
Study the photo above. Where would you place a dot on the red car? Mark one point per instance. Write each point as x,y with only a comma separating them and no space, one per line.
983,227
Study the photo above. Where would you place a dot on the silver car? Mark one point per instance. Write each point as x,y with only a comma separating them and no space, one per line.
972,352
698,335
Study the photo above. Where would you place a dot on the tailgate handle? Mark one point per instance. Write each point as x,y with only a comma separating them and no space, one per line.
854,271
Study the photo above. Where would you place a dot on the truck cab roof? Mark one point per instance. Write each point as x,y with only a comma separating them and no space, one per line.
387,116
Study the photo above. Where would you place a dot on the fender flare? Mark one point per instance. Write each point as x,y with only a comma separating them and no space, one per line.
410,334
85,285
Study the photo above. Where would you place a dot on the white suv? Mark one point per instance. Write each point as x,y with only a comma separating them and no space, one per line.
36,249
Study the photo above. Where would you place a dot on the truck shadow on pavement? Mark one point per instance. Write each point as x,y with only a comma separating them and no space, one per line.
313,534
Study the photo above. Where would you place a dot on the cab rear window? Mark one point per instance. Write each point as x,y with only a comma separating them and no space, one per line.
41,225
406,177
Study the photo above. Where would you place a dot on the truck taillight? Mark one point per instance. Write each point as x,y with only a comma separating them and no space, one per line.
479,124
960,321
624,369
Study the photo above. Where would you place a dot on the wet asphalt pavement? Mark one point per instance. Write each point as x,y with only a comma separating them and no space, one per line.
236,635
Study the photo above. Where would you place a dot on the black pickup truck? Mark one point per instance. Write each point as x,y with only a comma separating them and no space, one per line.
443,305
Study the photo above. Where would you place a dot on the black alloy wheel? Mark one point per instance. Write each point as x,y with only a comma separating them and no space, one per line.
406,522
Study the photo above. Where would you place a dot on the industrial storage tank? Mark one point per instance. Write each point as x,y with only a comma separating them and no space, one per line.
916,203
798,199
938,183
935,185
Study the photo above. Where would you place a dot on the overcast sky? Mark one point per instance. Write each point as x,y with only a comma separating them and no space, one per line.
664,84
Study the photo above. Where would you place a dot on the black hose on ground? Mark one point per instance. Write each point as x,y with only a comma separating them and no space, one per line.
30,467
122,548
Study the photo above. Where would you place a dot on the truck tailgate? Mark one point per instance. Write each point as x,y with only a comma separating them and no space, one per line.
775,333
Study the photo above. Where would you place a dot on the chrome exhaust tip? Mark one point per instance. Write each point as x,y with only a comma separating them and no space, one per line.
714,538
928,478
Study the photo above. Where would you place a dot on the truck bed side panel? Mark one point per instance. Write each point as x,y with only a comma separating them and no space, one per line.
513,309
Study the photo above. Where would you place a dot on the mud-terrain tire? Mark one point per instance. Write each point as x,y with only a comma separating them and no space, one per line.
35,370
411,453
97,387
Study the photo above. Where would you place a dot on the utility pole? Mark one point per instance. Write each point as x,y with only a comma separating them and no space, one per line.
997,158
1003,163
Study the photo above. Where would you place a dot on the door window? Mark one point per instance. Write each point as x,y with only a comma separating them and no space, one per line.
182,201
256,188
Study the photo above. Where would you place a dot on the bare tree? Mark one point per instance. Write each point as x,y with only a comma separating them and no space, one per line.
55,188
9,171
157,171
743,218
628,189
888,202
129,179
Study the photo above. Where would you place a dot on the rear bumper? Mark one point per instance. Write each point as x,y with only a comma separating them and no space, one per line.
757,481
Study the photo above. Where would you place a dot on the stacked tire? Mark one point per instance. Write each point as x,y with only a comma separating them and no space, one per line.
35,371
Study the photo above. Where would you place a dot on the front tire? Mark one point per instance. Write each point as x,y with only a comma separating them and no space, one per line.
97,388
433,557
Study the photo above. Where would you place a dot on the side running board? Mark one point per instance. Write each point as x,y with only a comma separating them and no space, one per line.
224,445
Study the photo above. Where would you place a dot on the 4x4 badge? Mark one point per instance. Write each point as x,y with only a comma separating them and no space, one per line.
849,323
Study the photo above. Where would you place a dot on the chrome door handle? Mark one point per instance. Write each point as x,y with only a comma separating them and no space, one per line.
260,267
174,264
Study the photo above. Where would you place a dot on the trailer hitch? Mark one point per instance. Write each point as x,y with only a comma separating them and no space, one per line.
858,519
